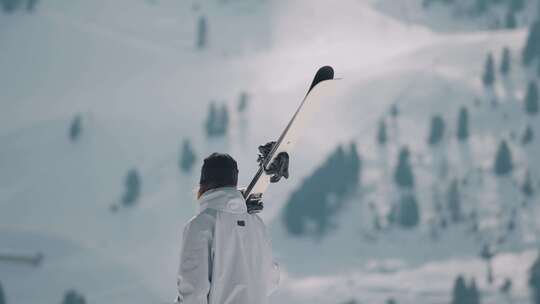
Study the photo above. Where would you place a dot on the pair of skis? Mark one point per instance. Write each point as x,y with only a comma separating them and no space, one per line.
274,156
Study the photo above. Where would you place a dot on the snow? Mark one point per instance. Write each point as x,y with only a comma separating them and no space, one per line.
131,70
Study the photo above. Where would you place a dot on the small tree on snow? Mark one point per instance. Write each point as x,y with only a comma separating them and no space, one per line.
534,280
133,188
436,133
474,294
460,291
487,255
531,99
394,111
73,297
382,136
202,32
503,160
2,296
31,5
510,19
528,135
409,212
454,201
217,121
481,6
489,72
463,124
210,123
10,5
242,102
463,294
403,174
506,286
353,165
75,128
187,157
517,5
532,45
527,187
223,119
505,62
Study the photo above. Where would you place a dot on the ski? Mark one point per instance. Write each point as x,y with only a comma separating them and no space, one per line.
274,156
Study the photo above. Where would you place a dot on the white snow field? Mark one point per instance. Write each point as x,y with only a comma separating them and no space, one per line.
130,68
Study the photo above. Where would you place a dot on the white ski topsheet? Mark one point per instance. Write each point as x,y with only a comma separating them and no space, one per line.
322,92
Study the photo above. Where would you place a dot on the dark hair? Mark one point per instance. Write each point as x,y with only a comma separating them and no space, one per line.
218,170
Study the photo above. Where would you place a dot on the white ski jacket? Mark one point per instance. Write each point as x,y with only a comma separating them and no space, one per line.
226,255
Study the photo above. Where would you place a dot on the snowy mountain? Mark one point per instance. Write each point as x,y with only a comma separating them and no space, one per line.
133,74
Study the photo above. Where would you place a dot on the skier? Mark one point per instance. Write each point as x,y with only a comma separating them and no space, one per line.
226,254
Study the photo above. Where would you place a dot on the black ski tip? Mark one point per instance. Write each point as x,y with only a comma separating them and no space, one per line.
324,73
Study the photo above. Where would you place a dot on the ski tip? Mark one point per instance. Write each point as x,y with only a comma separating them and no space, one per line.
324,73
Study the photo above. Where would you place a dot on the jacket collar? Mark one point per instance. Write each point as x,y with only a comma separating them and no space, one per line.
226,199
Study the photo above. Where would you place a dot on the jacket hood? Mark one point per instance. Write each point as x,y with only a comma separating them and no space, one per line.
226,199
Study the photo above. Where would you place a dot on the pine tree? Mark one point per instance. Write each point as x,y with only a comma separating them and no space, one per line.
460,291
487,255
517,5
31,5
532,45
354,166
534,280
527,187
481,6
463,124
2,296
338,165
503,160
409,213
187,157
223,119
454,201
528,135
473,293
489,72
242,102
382,136
76,128
311,207
211,120
394,111
531,99
10,5
403,174
510,19
505,61
436,133
202,33
73,297
133,188
506,286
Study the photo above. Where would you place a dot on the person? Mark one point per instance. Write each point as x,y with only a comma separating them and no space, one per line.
226,253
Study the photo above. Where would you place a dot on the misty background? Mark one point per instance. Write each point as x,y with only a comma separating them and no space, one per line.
418,183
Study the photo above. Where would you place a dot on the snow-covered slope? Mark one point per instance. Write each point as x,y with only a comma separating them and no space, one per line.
131,70
461,15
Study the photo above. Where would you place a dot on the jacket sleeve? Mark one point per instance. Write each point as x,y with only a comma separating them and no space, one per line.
273,272
274,277
195,270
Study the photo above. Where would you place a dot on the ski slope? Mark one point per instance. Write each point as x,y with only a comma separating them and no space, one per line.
131,70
